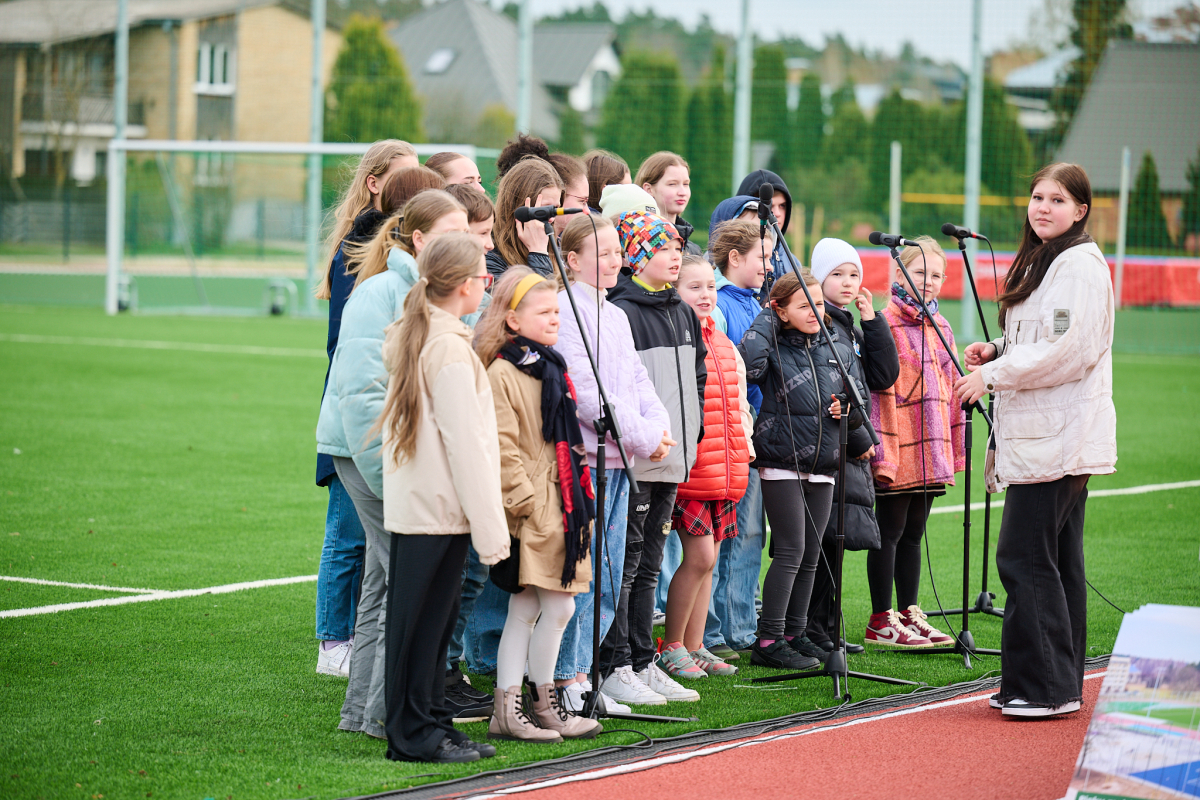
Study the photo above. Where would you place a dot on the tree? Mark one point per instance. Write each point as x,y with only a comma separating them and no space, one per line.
370,96
495,126
570,131
1007,156
809,122
1191,201
850,133
1096,22
709,145
1147,223
644,110
901,120
769,111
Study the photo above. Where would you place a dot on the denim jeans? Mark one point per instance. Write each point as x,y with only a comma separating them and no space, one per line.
340,573
575,654
484,624
732,618
474,579
672,558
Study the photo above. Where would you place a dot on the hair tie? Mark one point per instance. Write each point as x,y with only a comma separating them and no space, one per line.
422,280
523,287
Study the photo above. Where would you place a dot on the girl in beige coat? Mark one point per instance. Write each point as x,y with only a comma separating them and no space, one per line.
441,490
548,501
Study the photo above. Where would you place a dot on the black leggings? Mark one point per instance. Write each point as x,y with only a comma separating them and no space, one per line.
795,546
901,520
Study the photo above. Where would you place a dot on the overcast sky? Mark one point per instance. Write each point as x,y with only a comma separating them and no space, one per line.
940,29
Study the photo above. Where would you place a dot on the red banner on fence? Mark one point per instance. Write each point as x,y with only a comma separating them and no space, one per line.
1149,280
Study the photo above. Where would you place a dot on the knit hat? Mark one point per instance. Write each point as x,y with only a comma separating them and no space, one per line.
643,235
829,254
619,198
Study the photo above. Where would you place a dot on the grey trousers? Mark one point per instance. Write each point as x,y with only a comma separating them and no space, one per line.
364,709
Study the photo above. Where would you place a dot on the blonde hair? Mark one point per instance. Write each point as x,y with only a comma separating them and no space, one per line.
492,331
444,265
419,214
734,235
527,179
579,230
910,254
357,197
655,167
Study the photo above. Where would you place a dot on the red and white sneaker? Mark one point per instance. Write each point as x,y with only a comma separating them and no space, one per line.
886,629
918,623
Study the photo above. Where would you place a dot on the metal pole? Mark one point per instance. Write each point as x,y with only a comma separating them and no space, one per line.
741,100
524,66
316,132
114,240
894,193
971,180
1122,223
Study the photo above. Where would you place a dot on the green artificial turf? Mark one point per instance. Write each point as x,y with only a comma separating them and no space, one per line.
172,469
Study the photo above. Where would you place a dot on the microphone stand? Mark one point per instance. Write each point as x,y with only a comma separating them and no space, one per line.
983,603
964,643
606,424
835,663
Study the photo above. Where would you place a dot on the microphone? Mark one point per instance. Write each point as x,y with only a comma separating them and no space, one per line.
958,232
766,193
542,213
890,240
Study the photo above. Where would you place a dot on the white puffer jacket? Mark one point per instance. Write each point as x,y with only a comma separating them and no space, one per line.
1052,376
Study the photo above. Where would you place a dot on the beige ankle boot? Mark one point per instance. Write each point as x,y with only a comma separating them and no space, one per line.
551,715
509,720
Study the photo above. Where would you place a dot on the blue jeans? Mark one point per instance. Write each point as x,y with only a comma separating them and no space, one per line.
672,558
340,574
732,619
483,626
474,579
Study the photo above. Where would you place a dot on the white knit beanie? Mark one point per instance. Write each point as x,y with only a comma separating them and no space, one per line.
621,197
829,254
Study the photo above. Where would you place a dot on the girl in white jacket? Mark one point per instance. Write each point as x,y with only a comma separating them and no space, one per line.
441,490
1055,426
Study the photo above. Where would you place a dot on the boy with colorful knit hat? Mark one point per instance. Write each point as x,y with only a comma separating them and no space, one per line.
669,340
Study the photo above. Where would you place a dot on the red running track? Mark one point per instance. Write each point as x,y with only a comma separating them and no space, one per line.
960,748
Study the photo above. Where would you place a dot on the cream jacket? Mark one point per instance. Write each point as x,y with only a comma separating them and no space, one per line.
1052,376
452,482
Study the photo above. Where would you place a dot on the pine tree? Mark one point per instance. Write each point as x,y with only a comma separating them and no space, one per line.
1147,223
1096,22
850,133
896,119
1191,201
570,131
370,96
769,111
809,123
709,147
644,111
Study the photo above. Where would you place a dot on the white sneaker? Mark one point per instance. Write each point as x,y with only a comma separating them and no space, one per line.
572,699
625,687
662,684
659,618
334,661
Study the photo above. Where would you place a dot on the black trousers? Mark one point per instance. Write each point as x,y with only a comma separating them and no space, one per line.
795,547
901,517
822,621
630,640
424,589
1040,560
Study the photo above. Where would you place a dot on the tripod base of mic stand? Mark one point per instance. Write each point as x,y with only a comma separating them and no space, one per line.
964,646
983,605
835,667
591,709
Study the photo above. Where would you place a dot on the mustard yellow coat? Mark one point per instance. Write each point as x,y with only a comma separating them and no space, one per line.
529,481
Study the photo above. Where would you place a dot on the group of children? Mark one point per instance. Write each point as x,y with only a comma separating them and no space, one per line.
456,437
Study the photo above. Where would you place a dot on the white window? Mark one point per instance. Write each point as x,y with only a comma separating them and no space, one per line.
214,69
439,61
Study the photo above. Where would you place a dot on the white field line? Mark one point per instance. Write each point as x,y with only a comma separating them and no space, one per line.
145,598
145,344
650,763
1143,489
41,582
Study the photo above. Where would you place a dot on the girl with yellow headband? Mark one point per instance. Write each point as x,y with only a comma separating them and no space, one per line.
548,500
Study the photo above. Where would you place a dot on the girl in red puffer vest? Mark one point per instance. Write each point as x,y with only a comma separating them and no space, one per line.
704,512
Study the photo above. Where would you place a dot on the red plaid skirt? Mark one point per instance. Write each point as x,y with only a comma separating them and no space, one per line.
716,518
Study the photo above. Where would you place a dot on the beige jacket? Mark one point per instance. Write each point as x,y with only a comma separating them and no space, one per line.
452,482
529,481
1052,376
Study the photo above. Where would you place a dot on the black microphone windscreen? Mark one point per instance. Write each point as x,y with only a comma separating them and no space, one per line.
523,214
875,238
950,229
766,193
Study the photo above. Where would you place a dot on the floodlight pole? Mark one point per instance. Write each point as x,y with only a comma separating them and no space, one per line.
1122,223
316,132
114,238
895,189
524,66
971,180
741,100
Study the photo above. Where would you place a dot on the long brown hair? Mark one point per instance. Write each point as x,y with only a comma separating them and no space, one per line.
357,197
1034,256
478,205
438,161
419,214
569,169
735,235
525,180
603,169
492,331
655,167
405,185
582,228
444,265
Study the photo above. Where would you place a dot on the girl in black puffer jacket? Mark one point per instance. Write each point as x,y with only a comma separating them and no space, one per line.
796,446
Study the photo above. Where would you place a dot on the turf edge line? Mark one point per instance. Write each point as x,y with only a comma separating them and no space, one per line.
41,582
1143,489
146,344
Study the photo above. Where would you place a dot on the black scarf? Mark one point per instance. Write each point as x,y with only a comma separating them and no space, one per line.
560,425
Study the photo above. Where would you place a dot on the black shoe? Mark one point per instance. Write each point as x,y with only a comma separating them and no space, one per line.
780,655
805,647
455,677
466,704
447,752
822,641
484,749
851,647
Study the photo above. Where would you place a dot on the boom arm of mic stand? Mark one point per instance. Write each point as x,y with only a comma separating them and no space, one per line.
920,297
608,420
962,247
856,398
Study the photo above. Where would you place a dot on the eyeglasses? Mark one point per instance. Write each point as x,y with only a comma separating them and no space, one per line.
487,279
567,198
